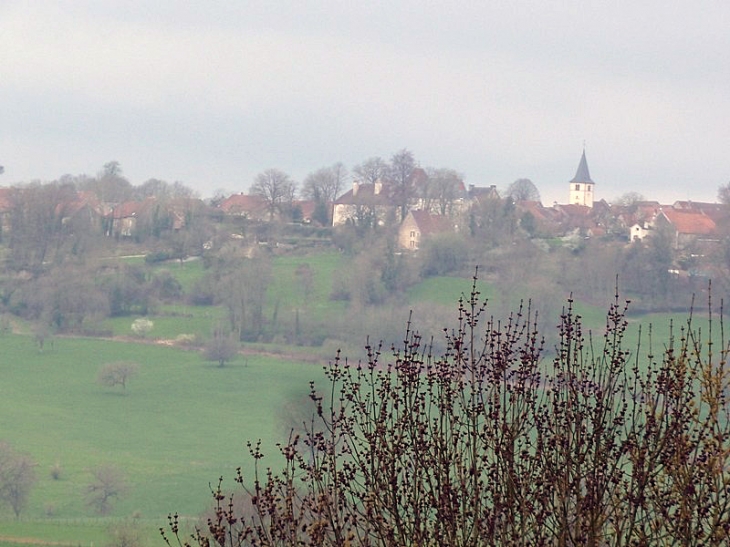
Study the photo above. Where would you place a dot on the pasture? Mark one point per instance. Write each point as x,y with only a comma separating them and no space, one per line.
181,423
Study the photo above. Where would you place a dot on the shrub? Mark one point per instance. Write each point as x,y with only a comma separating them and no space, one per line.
56,471
489,443
142,326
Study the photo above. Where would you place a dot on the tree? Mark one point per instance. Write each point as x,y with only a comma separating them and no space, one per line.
17,477
371,170
241,285
628,199
221,347
110,186
485,443
400,176
275,188
442,190
325,184
523,190
723,194
107,485
126,533
116,374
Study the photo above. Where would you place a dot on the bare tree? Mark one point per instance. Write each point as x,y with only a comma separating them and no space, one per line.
628,199
275,188
116,374
107,485
723,194
371,170
17,477
325,184
442,190
221,347
400,177
523,190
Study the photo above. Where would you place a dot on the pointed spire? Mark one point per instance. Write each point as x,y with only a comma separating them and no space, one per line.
582,174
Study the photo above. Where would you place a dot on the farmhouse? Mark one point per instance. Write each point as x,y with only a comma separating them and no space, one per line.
419,225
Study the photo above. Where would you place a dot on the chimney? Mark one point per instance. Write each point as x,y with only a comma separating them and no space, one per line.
355,187
377,187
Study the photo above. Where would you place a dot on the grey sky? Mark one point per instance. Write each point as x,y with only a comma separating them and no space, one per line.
211,93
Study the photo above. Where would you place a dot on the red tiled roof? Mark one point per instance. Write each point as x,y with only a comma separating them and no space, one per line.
240,204
691,223
131,208
431,224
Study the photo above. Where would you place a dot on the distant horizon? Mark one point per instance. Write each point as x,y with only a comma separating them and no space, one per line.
554,197
212,94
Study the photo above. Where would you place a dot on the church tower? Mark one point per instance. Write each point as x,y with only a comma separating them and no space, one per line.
581,187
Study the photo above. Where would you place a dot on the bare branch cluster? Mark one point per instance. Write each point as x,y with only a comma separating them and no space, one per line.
492,443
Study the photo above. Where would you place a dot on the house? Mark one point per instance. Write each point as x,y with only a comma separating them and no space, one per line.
419,225
82,212
182,209
364,204
124,219
687,226
582,186
251,207
534,218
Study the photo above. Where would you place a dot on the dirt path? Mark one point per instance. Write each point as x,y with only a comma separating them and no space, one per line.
35,541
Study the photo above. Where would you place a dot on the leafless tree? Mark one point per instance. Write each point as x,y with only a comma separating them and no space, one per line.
723,194
400,177
17,477
371,170
442,190
116,374
325,184
275,188
221,347
523,190
107,485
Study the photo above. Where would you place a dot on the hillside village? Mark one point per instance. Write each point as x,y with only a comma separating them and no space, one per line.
419,212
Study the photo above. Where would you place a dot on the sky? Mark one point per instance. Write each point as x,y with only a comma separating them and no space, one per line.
210,93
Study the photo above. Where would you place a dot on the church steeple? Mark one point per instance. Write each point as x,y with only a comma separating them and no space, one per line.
582,174
581,187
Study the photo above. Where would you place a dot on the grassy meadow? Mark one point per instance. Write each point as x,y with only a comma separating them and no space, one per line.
181,422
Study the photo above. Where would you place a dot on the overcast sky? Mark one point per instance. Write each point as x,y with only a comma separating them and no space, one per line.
212,92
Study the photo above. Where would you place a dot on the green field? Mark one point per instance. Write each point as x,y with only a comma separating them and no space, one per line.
182,422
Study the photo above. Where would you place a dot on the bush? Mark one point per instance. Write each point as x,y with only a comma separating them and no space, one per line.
443,254
486,443
142,326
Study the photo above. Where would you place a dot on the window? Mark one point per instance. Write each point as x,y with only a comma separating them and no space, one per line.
577,186
413,234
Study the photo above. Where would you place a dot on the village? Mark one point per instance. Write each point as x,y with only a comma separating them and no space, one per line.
416,213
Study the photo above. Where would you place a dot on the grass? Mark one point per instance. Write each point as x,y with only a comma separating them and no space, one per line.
180,424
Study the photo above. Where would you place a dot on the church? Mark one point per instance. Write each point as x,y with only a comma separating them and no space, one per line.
581,187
